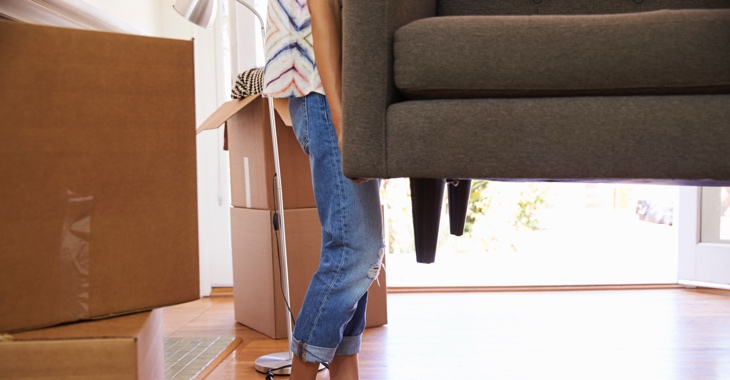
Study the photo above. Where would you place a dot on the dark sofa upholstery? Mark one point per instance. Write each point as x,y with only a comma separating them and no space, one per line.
548,90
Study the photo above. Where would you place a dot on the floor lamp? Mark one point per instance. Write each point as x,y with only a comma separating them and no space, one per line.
202,13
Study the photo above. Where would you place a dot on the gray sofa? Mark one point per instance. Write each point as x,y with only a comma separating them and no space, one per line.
542,90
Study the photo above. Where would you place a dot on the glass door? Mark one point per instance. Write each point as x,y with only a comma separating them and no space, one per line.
541,234
704,237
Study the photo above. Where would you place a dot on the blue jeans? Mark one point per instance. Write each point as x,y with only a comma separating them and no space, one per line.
332,317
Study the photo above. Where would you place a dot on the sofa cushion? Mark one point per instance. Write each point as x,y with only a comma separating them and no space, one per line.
661,52
678,139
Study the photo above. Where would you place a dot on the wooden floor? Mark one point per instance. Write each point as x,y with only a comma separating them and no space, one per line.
605,334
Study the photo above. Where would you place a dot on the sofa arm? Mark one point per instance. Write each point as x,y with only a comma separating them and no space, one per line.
367,78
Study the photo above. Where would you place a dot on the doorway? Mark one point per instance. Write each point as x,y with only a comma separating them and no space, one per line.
704,237
542,234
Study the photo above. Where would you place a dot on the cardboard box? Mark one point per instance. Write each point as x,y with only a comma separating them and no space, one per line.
258,300
128,347
98,172
248,134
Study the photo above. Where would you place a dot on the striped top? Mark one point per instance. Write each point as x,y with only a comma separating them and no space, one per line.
290,69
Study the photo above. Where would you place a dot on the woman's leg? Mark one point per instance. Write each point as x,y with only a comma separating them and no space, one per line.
301,370
342,367
345,367
332,317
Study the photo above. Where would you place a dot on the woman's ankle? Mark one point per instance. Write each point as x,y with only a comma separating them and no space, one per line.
301,370
345,367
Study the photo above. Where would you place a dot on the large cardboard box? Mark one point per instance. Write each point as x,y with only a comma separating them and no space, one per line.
258,299
98,173
128,347
251,154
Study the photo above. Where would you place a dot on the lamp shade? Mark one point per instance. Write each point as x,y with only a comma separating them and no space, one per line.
199,12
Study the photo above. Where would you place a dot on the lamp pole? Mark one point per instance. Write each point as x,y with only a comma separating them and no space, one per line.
279,362
202,13
279,359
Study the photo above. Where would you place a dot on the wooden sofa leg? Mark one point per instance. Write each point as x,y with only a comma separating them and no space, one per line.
459,192
426,198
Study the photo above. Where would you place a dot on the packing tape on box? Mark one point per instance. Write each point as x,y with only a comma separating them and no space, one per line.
73,289
247,181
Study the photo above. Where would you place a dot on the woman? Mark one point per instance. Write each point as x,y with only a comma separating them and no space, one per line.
304,64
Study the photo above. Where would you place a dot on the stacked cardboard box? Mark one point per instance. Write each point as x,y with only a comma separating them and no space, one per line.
126,347
258,298
98,195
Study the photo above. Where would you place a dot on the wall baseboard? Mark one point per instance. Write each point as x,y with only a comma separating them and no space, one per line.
552,288
221,292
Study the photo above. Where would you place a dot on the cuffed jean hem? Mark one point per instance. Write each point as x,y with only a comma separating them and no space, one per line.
350,345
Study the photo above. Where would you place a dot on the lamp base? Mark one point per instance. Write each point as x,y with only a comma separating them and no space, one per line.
275,362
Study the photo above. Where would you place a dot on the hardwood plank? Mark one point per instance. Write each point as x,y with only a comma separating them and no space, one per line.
587,334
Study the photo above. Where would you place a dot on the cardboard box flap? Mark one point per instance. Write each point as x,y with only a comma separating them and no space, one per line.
230,108
281,106
131,325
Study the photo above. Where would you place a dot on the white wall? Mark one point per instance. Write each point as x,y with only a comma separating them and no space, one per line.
141,14
248,46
